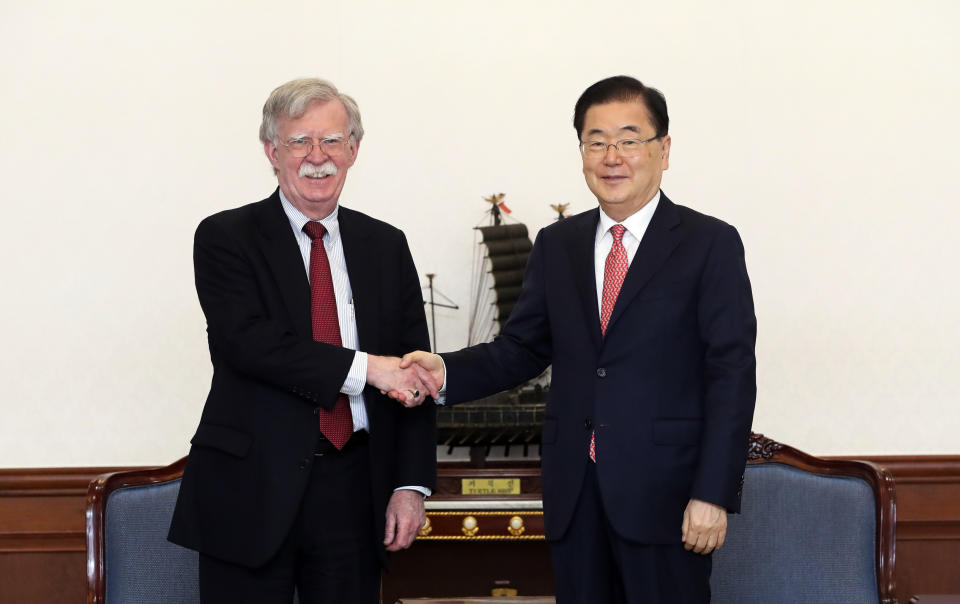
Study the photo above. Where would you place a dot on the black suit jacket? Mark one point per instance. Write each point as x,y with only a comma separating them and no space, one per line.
669,391
252,452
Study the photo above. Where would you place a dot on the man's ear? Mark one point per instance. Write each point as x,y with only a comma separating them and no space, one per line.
665,153
270,149
355,146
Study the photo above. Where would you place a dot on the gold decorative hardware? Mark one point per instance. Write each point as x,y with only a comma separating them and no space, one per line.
515,526
470,526
426,529
438,534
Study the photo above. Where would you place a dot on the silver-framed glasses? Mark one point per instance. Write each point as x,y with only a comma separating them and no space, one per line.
626,147
302,146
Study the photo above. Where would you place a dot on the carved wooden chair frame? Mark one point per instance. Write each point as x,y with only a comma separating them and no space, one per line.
764,450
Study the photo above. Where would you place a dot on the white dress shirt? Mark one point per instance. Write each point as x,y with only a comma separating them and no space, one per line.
357,377
636,225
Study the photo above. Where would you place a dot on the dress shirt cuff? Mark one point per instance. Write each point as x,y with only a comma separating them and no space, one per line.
422,490
442,399
357,377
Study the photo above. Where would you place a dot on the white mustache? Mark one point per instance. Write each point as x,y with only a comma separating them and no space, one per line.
327,168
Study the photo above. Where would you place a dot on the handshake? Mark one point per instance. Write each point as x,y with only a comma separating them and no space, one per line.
408,380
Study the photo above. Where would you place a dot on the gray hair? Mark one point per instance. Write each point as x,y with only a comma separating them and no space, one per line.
291,101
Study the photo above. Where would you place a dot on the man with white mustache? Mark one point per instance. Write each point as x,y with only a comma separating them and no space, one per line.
328,168
302,475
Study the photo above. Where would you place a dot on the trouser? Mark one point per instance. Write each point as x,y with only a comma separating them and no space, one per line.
592,564
329,556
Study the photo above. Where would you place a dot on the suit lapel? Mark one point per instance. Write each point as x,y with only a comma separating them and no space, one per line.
361,254
580,244
283,256
656,246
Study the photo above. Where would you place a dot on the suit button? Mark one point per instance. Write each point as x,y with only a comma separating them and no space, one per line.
588,424
304,463
316,410
601,372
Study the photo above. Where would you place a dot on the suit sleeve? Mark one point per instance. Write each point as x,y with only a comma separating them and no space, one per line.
244,335
728,329
521,352
417,427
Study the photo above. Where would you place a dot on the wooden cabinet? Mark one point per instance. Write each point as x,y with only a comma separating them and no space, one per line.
484,537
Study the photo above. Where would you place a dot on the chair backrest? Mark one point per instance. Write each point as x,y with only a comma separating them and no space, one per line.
810,530
128,556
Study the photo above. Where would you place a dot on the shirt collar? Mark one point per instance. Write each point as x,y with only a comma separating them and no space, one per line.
636,223
298,219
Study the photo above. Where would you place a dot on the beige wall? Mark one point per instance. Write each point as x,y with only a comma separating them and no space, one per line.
826,132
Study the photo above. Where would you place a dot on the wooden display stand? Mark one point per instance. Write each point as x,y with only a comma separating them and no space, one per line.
483,538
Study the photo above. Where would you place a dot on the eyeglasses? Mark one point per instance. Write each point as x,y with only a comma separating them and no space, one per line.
627,147
302,146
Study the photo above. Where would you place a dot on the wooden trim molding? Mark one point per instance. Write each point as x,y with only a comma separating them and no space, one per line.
41,509
48,481
928,488
919,469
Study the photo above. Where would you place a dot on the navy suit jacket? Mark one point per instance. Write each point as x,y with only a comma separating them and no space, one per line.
670,390
252,452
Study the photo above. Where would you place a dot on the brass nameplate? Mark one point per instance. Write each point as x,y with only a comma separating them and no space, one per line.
490,486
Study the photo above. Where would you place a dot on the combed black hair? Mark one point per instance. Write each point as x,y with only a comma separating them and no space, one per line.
623,88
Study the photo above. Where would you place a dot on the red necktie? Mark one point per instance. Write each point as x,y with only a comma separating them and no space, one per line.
613,274
336,424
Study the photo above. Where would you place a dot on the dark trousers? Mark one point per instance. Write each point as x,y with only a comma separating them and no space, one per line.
329,555
592,564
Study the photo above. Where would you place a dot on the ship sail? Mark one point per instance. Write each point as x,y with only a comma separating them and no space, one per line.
514,417
499,260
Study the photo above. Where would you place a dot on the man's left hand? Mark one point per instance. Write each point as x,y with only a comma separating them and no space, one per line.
704,526
405,516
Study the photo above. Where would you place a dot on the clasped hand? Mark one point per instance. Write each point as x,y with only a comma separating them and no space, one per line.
409,385
428,369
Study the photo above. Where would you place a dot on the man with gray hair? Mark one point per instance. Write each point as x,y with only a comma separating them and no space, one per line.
302,475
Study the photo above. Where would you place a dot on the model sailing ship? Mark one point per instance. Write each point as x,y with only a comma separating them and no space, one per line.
513,418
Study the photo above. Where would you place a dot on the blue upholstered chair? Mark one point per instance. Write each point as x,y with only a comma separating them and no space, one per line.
811,531
129,559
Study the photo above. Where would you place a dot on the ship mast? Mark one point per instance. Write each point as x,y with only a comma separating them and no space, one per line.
434,304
